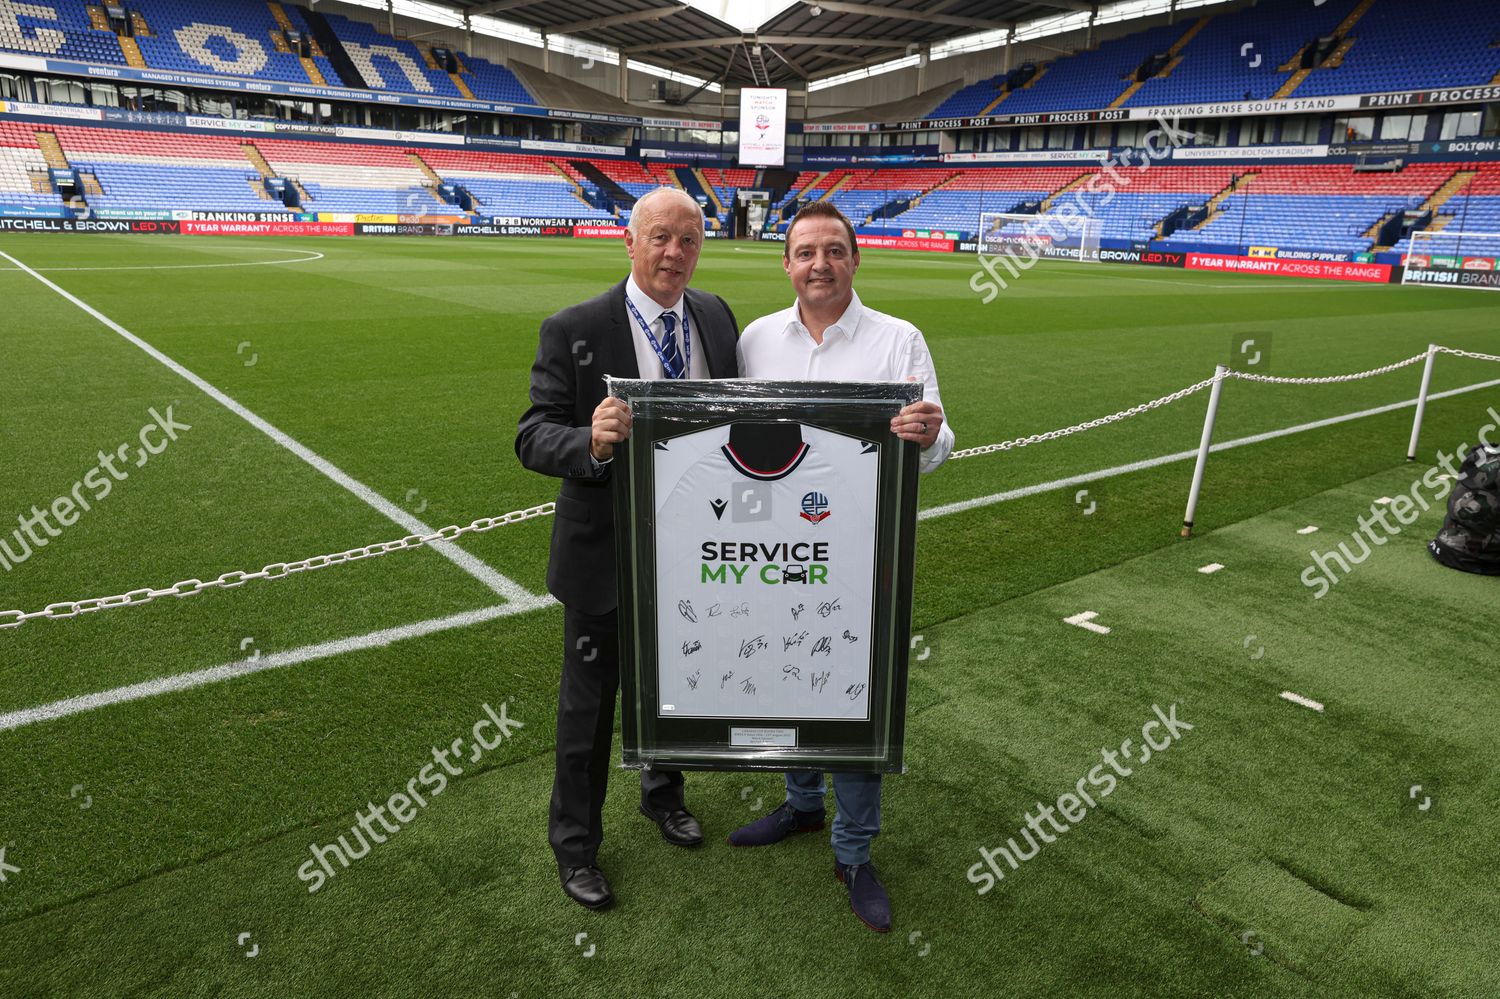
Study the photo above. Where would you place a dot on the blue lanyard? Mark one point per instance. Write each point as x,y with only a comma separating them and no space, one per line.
687,337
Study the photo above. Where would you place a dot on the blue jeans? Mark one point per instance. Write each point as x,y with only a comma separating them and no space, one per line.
858,798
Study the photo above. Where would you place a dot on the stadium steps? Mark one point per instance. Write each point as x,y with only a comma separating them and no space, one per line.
313,72
1026,86
1235,187
279,40
1175,53
1460,180
90,183
1496,81
97,19
41,182
463,88
1294,65
52,150
132,52
837,186
604,183
428,171
139,26
713,195
1337,58
576,187
259,189
254,155
1073,184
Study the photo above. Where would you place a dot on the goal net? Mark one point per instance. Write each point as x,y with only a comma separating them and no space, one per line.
1453,259
1065,236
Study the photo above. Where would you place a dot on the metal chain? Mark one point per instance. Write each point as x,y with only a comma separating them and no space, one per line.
1327,379
1053,435
1468,353
276,570
230,580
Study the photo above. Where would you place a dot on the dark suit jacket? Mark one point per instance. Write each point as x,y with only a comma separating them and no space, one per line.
579,346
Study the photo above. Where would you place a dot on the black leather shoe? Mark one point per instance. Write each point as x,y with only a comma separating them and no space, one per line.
587,887
678,826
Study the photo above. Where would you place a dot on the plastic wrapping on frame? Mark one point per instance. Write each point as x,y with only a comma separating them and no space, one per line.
765,535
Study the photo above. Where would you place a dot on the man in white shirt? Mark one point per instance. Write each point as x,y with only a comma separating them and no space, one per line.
829,334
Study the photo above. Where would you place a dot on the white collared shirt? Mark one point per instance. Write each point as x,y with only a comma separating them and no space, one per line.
864,345
645,355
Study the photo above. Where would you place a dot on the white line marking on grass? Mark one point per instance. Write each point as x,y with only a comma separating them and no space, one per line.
245,667
181,267
1211,568
1167,459
1384,501
1086,621
1306,702
1309,529
505,587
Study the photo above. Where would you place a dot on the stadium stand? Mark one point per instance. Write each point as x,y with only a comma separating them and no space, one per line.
493,82
350,177
1278,207
1245,55
1256,53
958,202
232,37
1402,46
164,171
59,29
512,184
1090,79
23,170
387,63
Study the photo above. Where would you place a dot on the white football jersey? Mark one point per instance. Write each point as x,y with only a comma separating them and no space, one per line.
765,576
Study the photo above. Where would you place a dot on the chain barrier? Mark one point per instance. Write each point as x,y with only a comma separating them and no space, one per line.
1327,379
277,570
1053,435
1468,353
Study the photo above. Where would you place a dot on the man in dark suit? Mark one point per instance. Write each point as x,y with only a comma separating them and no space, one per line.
651,325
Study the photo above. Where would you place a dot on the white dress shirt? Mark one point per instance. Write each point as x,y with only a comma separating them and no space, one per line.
864,346
645,354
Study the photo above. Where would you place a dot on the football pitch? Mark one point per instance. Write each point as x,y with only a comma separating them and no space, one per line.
169,769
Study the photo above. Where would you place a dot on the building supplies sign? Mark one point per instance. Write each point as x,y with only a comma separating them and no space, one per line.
763,126
765,532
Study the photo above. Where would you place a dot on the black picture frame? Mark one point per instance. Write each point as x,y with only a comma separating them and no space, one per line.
664,410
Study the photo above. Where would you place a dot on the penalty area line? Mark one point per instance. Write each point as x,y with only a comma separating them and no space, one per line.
259,664
499,584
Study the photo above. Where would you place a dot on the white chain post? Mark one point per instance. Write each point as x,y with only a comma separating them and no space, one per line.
1203,446
1416,425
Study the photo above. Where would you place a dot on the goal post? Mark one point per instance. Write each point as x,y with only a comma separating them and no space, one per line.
1059,235
1453,259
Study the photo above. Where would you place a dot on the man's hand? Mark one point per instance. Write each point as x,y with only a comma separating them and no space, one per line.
611,427
918,422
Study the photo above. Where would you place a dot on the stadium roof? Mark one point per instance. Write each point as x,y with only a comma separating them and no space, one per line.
807,40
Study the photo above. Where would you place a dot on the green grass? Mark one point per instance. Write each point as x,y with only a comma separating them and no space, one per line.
404,363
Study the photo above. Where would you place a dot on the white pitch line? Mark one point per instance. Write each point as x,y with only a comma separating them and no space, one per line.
183,267
501,585
1167,459
1309,529
1211,568
1086,620
259,664
1306,702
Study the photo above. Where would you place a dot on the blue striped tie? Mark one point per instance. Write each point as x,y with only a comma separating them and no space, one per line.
671,357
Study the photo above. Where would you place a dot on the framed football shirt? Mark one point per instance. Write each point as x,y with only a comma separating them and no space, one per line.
765,534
